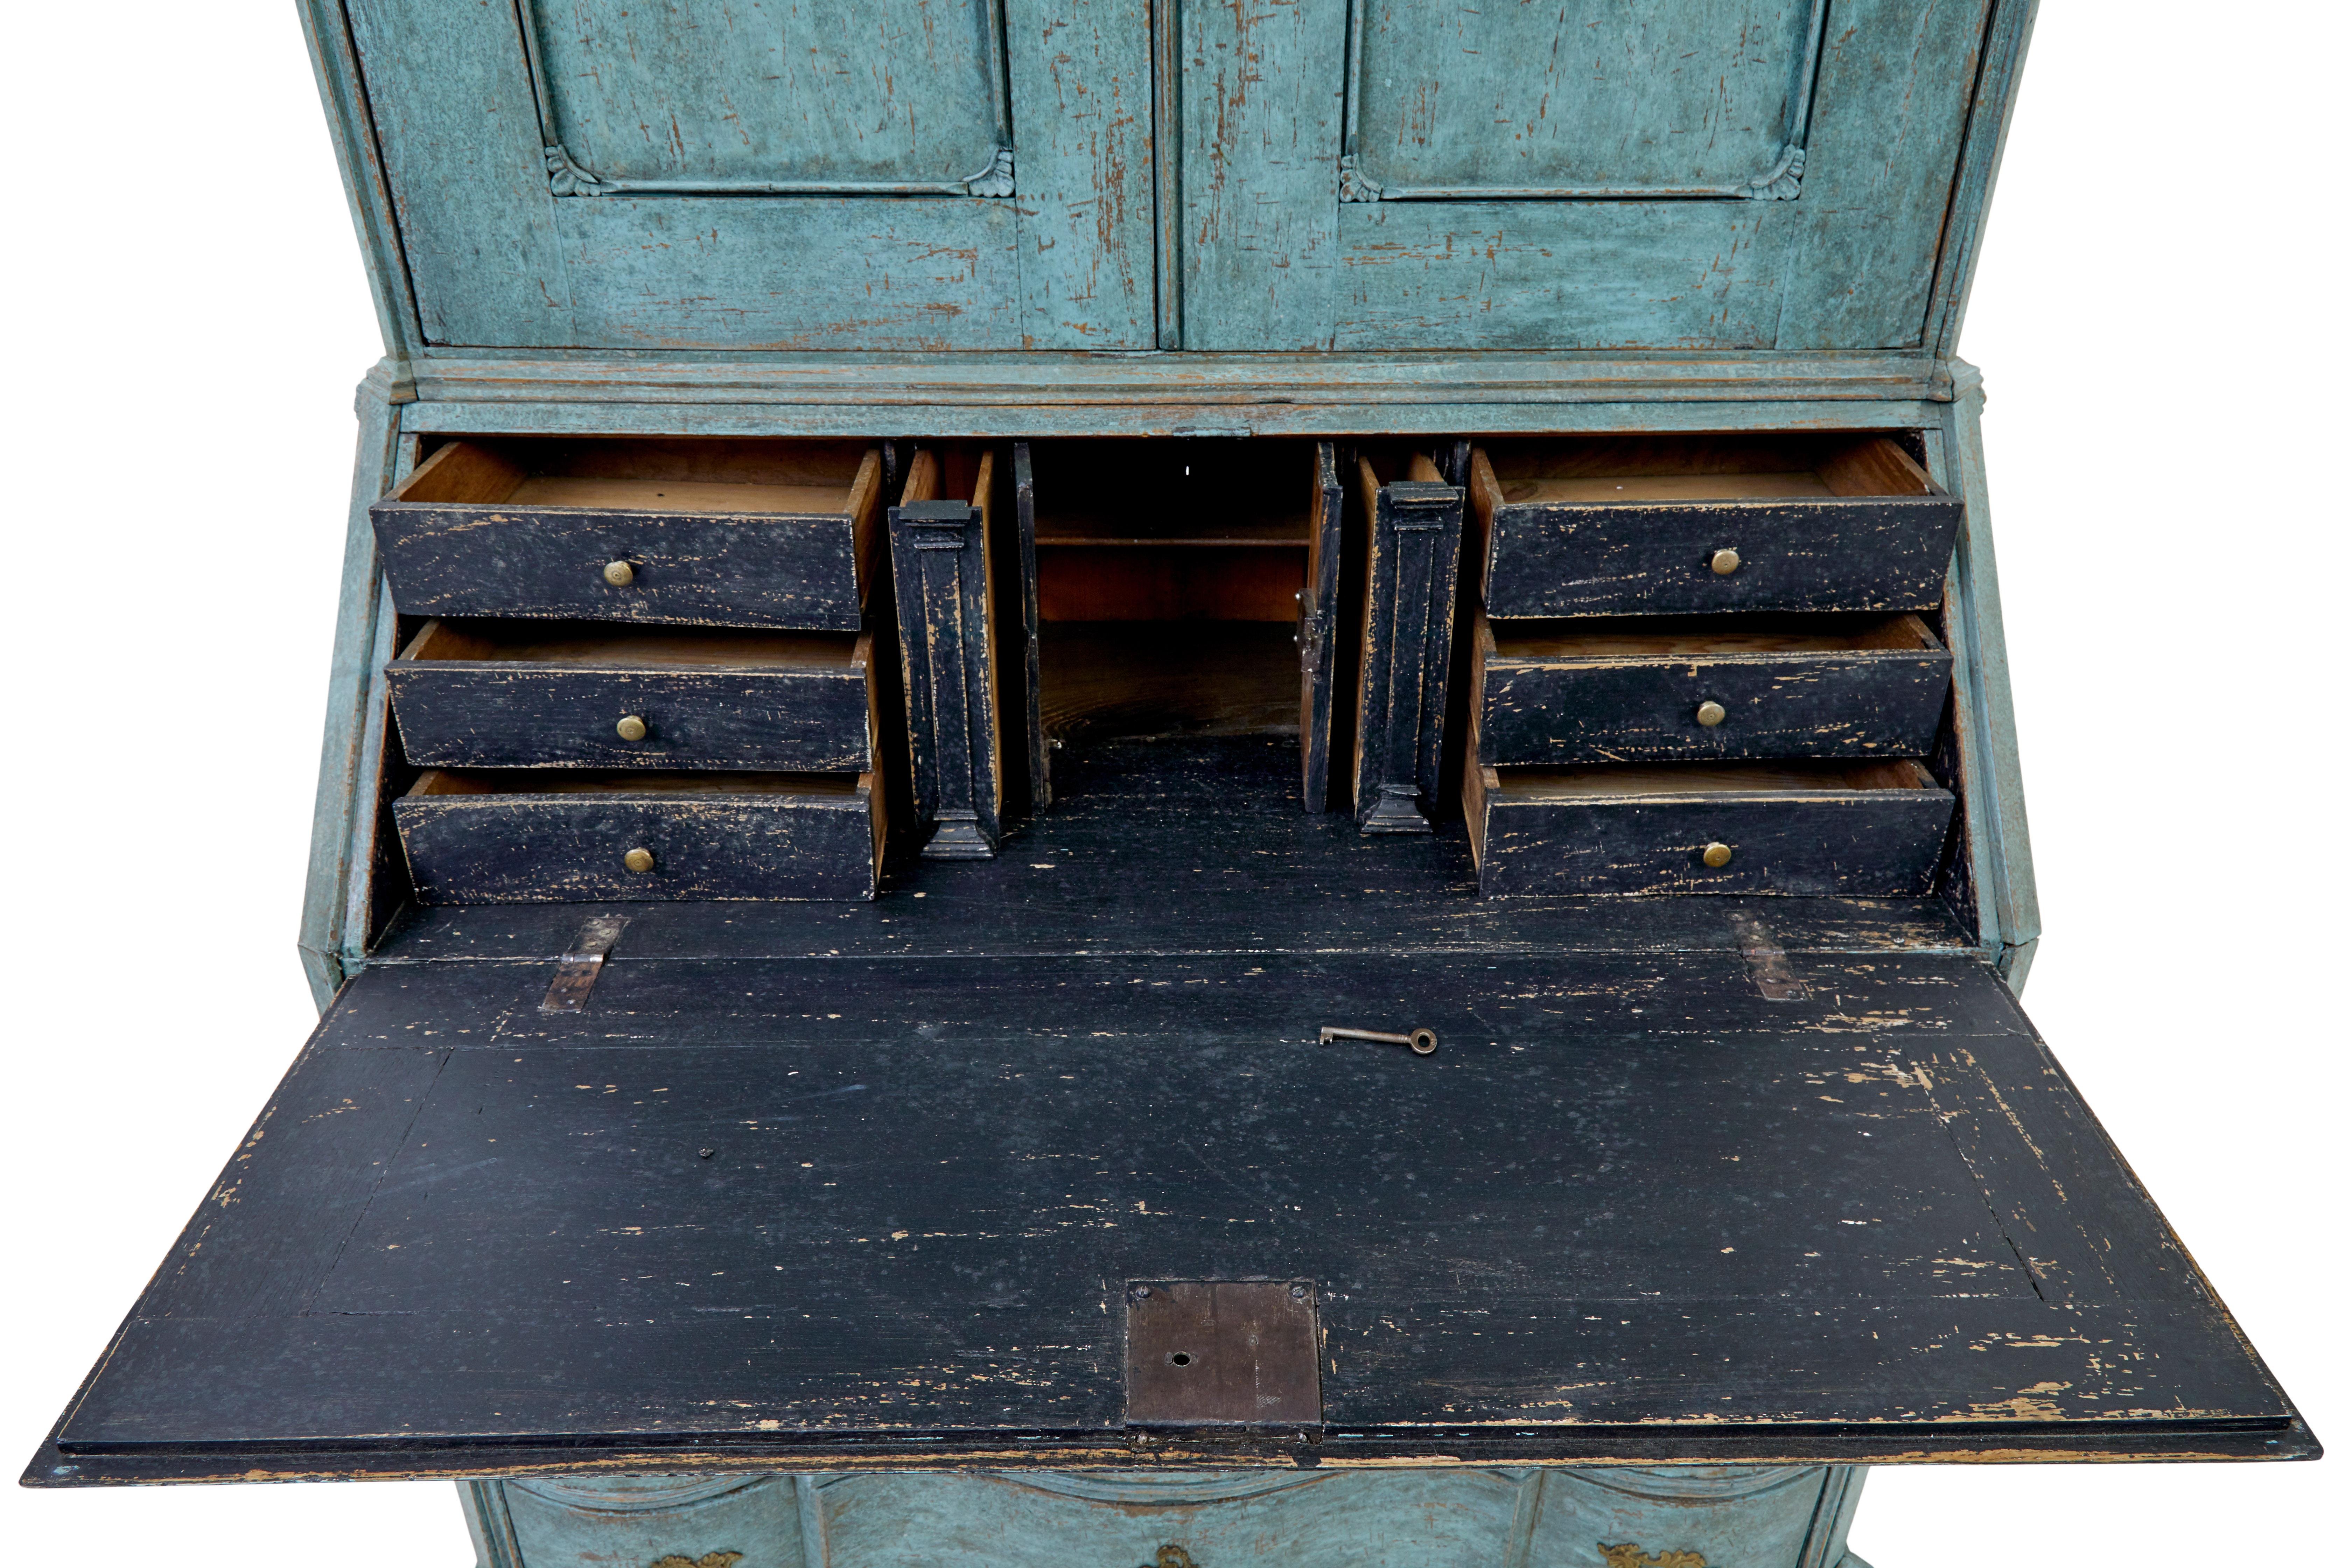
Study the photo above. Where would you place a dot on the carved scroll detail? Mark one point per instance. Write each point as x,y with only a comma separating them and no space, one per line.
1355,186
1631,1556
566,178
996,180
1780,182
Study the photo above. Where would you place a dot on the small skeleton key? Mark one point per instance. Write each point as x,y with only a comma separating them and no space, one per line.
1420,1042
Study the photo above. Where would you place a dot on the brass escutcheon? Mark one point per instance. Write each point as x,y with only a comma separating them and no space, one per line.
638,859
620,573
1709,714
630,728
1717,854
1724,562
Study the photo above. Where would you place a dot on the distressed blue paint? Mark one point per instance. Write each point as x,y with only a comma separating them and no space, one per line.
351,750
1752,1517
1997,787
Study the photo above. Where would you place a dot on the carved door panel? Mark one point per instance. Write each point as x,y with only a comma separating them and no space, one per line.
1381,174
871,174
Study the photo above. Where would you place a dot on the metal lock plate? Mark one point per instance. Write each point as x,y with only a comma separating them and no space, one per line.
1222,1352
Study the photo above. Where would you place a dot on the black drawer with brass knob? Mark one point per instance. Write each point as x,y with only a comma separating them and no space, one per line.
1692,688
504,694
1701,525
1854,829
538,836
782,533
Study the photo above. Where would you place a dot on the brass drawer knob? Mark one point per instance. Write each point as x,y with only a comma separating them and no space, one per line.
1717,855
620,573
632,728
1709,714
1724,562
643,860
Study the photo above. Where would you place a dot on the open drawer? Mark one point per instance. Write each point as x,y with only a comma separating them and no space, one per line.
693,533
1855,830
1672,689
1681,524
559,838
512,694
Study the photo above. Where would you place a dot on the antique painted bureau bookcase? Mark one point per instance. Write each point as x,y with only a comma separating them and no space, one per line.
1154,785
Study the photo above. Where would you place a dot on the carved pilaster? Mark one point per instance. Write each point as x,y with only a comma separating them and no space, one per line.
1415,556
938,555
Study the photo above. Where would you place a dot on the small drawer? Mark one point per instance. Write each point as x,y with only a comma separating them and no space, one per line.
684,532
540,838
1660,525
520,694
1560,692
1858,829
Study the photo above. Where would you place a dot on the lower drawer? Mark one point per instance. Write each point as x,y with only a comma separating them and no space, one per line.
514,694
1863,829
542,837
1679,690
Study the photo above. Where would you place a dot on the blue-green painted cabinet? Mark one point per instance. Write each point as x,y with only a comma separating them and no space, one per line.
1273,174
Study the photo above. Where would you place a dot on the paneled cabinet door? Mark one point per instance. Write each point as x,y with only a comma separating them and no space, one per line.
831,174
1382,174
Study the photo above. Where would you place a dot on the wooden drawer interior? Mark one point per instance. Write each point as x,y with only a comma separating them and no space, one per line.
1703,468
1725,781
1167,582
1708,637
726,476
597,645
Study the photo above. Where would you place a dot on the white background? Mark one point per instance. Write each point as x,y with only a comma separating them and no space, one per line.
2158,311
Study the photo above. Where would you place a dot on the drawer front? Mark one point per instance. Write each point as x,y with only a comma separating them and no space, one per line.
792,572
548,847
1615,558
1852,843
1862,704
509,715
635,1522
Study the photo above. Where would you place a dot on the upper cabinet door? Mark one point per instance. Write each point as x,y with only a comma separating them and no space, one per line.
1569,174
838,174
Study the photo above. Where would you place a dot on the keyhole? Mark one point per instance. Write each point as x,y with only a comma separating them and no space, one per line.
1179,1358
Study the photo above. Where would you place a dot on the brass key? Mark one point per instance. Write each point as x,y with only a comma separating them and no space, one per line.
1420,1042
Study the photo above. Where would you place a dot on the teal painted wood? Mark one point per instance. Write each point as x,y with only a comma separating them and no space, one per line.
844,180
1752,1517
1201,389
1996,105
350,753
1865,232
1082,110
2009,911
1889,119
334,64
791,272
1260,122
1798,201
460,144
1563,275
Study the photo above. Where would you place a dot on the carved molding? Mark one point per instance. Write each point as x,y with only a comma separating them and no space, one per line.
566,178
1355,186
996,180
1781,182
